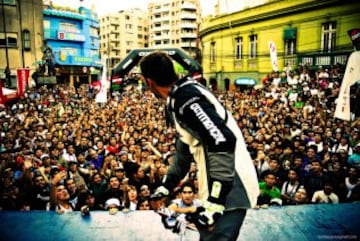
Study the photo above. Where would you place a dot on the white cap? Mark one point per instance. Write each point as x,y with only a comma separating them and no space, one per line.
111,202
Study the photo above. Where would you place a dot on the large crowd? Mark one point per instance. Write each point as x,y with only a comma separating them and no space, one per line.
60,150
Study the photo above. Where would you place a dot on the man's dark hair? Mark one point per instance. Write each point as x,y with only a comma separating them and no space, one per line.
158,66
187,184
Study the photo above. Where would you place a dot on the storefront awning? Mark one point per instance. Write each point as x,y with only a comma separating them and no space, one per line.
245,81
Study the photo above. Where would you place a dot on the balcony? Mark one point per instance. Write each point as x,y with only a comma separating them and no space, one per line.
320,59
191,25
187,15
188,5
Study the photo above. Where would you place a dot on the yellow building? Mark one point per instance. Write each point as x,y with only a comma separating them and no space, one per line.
313,32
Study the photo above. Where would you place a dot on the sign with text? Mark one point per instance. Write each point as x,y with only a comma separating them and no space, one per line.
22,80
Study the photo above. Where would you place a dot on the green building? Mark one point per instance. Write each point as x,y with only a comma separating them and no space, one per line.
312,32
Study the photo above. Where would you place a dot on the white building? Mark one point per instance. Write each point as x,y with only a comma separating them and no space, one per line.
121,32
174,23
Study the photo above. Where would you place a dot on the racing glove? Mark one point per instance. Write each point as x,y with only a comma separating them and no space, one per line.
172,220
209,213
213,208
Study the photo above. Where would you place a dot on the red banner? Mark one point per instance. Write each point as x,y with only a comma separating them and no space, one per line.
22,80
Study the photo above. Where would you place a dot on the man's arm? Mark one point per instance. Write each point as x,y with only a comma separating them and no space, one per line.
175,207
180,166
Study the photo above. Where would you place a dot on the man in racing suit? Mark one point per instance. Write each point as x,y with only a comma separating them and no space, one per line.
208,134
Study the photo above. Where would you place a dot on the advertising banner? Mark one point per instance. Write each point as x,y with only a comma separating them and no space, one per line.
22,80
273,56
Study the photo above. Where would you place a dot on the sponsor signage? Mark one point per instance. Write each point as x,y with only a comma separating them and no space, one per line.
70,36
22,80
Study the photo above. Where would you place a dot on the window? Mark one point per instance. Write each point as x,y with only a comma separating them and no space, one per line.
69,51
238,48
93,32
290,47
290,40
26,40
328,36
8,2
8,39
68,27
212,52
253,46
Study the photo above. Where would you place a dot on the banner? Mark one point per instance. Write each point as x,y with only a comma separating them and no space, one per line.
22,80
101,96
273,56
351,76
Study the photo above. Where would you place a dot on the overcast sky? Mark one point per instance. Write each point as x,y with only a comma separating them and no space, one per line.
110,6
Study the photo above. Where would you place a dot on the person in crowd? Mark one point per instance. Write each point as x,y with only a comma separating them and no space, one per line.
114,190
290,187
352,185
187,203
269,192
326,195
145,191
316,178
130,198
59,195
354,158
143,204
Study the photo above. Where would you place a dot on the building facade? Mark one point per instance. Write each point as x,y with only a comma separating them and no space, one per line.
174,23
73,38
121,32
311,32
21,37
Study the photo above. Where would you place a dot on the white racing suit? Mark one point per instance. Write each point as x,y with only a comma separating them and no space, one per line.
209,134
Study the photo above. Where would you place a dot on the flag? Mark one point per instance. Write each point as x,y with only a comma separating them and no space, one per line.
273,56
354,35
22,80
101,96
351,76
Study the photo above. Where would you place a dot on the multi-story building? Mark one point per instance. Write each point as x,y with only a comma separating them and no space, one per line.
310,32
174,23
121,32
20,36
72,36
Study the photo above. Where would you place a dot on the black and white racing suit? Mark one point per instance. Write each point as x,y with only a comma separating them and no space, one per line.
210,135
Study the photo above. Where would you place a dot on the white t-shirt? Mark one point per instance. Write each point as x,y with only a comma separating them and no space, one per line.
321,197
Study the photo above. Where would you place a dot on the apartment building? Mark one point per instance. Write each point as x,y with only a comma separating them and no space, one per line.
174,23
21,36
121,32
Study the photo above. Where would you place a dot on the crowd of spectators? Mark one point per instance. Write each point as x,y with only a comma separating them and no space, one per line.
62,151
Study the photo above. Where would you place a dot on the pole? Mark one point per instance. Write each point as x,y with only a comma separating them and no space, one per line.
21,36
4,27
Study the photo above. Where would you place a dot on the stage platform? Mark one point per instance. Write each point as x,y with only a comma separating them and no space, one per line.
292,223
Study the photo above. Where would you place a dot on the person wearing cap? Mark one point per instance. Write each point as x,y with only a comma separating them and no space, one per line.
113,205
209,135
